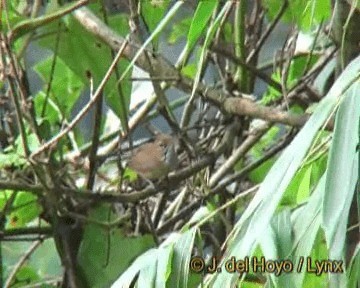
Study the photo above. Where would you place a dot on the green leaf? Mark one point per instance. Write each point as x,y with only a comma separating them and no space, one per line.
167,264
276,244
153,12
257,175
164,255
84,54
179,30
11,159
304,185
318,253
201,17
272,94
181,260
189,70
159,258
257,152
25,275
65,85
171,13
306,14
290,197
342,176
49,123
4,197
209,37
296,71
307,220
12,15
44,261
25,209
105,253
297,68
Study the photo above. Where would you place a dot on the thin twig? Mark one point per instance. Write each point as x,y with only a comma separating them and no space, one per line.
238,153
21,262
267,32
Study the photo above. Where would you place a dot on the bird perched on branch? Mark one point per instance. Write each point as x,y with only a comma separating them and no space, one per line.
155,160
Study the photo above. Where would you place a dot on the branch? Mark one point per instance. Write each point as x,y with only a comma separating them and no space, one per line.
236,106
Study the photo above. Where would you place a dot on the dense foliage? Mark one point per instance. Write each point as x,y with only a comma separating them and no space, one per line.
266,194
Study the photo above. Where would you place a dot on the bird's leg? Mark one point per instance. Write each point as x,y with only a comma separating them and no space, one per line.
146,180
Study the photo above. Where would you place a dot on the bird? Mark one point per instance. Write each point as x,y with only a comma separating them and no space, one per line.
155,160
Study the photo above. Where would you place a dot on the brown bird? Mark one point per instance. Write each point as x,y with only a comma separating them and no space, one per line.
155,160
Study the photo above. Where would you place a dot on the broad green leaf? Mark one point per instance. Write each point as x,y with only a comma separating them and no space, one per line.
318,253
343,164
105,253
84,54
272,94
4,197
32,142
296,71
155,263
25,209
189,70
44,261
305,185
65,84
53,113
315,12
276,244
165,255
48,125
342,174
145,261
180,266
147,275
257,175
306,224
290,197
